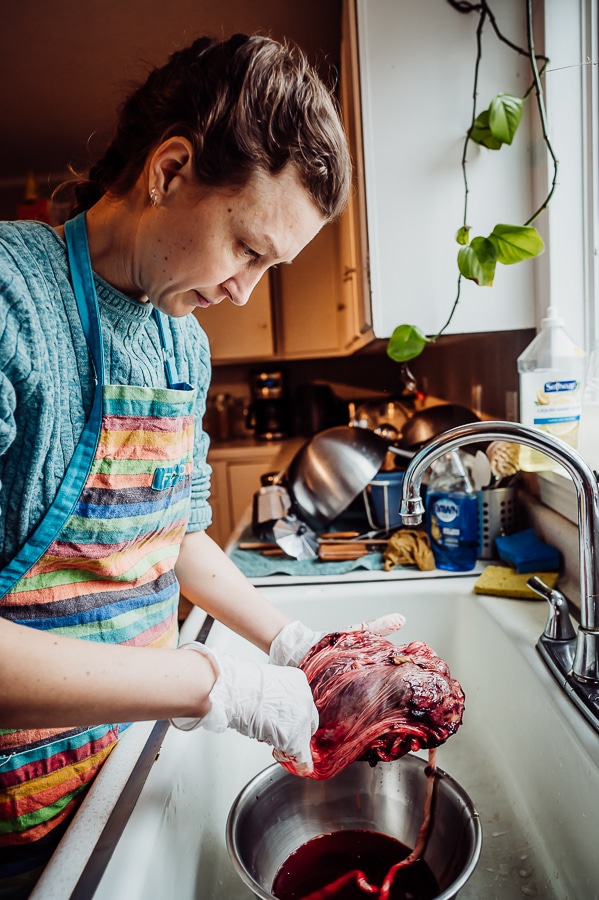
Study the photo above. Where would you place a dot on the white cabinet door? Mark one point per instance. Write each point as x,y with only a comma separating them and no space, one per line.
417,74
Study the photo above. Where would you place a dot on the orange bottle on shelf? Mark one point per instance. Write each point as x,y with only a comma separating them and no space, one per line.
34,206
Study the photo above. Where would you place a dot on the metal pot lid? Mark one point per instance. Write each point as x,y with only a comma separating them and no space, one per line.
332,469
429,423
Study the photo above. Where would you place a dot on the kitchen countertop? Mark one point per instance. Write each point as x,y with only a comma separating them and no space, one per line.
285,570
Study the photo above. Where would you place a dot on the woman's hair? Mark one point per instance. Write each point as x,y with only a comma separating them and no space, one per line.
244,104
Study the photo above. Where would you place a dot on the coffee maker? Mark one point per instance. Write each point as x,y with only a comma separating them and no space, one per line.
270,408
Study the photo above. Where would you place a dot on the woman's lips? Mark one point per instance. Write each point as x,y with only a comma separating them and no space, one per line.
202,301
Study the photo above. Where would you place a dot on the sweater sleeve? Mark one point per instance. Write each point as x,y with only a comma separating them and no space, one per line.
8,428
8,347
46,386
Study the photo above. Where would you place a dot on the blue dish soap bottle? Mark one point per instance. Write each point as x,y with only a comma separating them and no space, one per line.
452,514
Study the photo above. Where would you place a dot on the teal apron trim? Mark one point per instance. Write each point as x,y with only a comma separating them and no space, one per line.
78,470
82,279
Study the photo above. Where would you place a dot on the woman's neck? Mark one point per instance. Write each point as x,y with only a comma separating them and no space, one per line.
111,230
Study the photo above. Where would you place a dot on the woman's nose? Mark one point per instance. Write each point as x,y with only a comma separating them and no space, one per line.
241,286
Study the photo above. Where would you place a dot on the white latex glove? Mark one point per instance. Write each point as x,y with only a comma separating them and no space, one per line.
268,703
295,639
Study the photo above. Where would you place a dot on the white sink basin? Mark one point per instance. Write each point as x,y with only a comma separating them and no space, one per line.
526,757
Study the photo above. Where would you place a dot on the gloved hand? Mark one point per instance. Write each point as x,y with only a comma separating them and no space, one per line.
295,639
265,702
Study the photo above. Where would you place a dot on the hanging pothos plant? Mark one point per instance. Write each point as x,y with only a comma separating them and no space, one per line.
493,128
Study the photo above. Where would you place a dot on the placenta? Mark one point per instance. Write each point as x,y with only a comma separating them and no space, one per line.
376,700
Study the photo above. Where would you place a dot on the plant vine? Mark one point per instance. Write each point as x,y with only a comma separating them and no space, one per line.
492,128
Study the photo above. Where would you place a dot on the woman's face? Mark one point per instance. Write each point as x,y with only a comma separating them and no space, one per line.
213,244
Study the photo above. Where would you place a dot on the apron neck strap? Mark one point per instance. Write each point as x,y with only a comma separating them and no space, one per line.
85,292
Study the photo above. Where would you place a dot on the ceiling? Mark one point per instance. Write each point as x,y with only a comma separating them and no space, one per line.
65,65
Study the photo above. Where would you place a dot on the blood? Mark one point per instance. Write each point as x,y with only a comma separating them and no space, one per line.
318,870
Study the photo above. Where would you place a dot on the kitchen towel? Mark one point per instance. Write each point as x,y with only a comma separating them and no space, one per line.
255,565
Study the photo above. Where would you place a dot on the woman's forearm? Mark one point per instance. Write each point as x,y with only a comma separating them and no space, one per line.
51,681
210,580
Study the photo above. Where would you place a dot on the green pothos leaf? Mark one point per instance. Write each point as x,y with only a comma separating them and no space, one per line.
505,113
498,124
481,132
513,243
477,261
406,342
463,235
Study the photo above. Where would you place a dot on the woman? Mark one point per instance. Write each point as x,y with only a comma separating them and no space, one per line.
228,160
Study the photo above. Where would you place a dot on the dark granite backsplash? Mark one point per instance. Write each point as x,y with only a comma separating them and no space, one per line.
475,370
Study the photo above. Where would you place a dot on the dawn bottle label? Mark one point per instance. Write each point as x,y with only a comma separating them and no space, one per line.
452,526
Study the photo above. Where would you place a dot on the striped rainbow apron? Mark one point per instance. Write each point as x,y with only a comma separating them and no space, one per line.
100,567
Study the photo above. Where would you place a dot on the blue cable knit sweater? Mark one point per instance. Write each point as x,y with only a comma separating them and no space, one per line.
46,381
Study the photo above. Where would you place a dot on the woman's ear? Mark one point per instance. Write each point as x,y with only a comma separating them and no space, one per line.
170,165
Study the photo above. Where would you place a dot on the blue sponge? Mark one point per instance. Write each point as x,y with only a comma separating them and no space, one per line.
527,553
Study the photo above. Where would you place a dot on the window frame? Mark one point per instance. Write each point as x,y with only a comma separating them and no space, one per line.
568,273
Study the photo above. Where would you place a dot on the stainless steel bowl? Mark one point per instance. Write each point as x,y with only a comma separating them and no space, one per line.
332,469
278,812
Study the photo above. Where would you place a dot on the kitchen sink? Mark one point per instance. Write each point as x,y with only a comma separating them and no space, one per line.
525,755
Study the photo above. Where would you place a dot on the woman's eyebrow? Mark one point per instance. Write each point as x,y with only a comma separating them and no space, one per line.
269,245
266,243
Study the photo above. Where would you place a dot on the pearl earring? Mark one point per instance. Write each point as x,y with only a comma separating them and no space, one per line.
153,197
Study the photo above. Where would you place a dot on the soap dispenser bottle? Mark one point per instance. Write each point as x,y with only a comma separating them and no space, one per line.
551,373
452,514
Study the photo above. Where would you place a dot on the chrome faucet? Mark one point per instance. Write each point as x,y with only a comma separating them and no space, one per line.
572,657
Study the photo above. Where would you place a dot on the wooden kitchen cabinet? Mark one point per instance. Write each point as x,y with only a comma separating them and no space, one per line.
320,305
234,484
392,257
219,501
315,307
239,333
309,294
236,471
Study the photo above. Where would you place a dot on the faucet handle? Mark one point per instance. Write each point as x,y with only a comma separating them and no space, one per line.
559,625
